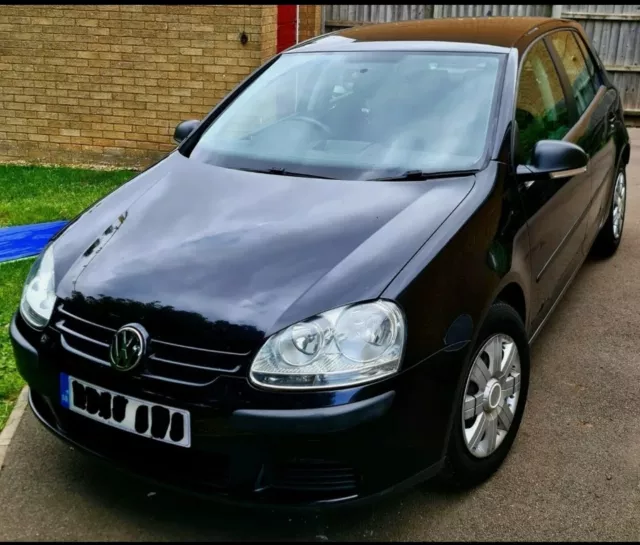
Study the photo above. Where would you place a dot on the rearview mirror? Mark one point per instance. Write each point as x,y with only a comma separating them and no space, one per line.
184,129
553,159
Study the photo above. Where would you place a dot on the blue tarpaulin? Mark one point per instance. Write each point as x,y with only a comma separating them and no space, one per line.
26,240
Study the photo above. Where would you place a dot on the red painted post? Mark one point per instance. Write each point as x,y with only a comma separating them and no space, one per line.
287,23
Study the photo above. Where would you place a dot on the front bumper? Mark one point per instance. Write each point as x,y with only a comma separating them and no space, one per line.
255,447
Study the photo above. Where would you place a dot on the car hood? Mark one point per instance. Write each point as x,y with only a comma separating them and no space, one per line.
198,253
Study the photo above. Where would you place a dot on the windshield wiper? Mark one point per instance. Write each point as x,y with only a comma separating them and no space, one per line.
285,172
411,175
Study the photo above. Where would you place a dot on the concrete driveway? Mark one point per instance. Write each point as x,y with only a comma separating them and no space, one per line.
573,474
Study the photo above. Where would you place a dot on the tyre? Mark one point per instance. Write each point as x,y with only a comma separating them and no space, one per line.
489,409
610,234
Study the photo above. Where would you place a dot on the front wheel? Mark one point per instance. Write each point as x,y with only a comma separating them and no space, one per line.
609,236
489,410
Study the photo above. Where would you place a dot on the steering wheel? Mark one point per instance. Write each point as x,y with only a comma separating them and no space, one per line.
312,121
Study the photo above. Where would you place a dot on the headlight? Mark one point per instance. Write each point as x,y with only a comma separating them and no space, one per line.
38,295
345,346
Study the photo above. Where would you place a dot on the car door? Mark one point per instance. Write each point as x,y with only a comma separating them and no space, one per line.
555,208
595,128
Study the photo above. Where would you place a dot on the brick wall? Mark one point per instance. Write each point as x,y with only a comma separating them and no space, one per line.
107,84
310,21
269,29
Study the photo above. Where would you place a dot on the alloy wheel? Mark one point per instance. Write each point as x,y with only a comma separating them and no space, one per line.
619,204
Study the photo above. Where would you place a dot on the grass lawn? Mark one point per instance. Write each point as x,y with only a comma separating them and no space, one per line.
34,195
12,277
39,194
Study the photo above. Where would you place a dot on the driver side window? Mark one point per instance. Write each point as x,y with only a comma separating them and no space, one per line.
541,109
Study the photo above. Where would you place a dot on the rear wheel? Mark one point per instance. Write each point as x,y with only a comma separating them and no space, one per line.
491,404
609,237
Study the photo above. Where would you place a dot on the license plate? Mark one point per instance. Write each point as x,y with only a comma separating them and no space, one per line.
136,416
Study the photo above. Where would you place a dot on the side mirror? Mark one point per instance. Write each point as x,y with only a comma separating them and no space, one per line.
553,159
184,129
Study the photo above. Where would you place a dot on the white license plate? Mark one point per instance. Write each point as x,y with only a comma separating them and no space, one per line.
136,416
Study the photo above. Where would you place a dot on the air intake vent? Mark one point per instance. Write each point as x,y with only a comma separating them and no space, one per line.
313,476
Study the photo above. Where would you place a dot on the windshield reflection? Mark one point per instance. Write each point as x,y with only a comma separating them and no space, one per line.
359,115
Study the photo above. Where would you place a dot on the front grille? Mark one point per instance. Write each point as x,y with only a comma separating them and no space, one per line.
165,361
313,476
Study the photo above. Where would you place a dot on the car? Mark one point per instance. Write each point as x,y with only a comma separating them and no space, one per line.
327,292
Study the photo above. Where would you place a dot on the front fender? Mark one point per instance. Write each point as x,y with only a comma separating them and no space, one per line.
453,280
481,248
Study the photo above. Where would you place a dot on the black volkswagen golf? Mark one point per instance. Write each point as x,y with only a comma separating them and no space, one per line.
329,289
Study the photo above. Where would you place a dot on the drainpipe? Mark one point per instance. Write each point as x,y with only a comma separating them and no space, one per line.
297,23
556,11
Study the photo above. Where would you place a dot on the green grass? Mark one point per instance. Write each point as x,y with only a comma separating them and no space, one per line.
39,194
34,195
12,277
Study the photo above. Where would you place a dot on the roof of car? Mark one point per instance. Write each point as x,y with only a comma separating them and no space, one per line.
502,32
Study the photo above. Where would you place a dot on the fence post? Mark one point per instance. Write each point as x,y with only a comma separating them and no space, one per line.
556,11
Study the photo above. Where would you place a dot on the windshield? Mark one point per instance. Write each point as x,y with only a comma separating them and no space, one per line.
358,115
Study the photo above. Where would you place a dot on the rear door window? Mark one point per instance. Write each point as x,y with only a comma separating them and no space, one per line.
594,69
575,65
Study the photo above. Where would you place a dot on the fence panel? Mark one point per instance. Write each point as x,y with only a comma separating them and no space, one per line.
614,31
